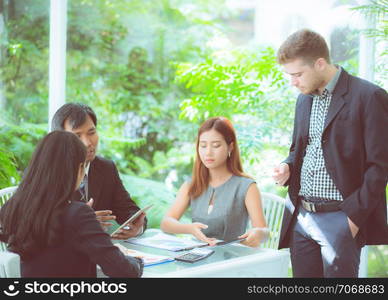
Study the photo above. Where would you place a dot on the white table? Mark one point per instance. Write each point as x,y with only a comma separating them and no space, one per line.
233,260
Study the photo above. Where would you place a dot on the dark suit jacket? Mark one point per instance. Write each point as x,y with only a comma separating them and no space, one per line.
84,245
355,148
107,190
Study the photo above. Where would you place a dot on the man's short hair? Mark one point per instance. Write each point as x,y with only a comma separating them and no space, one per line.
75,113
304,44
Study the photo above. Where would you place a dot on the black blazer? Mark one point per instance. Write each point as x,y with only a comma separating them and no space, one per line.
84,245
355,148
108,192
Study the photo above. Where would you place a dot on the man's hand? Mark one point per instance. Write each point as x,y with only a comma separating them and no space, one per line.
131,230
281,174
102,215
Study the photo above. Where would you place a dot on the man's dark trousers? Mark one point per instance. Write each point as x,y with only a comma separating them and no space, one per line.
322,245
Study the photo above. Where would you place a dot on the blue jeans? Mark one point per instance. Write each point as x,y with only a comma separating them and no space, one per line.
322,246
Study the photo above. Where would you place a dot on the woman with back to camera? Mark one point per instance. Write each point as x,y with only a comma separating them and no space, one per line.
54,236
221,196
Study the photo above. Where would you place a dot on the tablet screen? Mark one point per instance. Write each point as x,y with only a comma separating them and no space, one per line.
132,218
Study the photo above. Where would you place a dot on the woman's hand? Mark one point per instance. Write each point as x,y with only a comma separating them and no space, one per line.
196,230
255,236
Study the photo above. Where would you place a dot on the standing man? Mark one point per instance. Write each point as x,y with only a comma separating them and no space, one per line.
101,188
337,167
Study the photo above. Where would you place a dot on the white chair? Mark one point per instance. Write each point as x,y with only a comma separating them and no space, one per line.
9,261
9,264
5,194
273,206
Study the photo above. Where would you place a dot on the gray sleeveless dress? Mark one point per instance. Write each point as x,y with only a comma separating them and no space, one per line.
229,217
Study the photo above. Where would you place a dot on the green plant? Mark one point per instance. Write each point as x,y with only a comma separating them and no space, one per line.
23,63
121,60
8,172
21,141
120,149
134,92
229,83
16,146
247,87
377,261
376,11
145,192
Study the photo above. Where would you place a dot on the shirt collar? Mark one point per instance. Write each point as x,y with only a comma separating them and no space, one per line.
332,83
87,167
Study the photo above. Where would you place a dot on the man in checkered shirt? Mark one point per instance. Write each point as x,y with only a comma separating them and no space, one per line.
337,168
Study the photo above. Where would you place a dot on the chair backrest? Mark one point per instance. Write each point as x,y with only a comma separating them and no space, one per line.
5,194
9,264
273,211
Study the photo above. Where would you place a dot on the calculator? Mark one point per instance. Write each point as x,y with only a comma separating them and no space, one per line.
195,255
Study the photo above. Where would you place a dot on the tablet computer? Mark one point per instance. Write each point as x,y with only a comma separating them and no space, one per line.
132,218
230,241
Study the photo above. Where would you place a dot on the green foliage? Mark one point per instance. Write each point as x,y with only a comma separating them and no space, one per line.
227,85
16,146
120,150
377,261
132,72
175,162
20,140
247,87
377,10
145,192
121,60
344,44
8,173
244,83
24,65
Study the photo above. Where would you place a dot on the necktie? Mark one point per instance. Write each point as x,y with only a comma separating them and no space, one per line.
83,188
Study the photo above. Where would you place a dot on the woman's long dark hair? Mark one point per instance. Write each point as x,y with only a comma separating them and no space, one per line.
31,219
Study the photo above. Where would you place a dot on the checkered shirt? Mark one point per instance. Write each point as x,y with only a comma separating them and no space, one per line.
315,180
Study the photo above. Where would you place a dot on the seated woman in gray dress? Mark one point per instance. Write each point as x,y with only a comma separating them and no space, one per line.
221,196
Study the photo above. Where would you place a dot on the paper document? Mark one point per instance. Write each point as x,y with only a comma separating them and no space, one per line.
167,242
148,259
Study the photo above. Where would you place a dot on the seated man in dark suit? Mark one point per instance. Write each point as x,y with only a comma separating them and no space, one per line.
101,188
